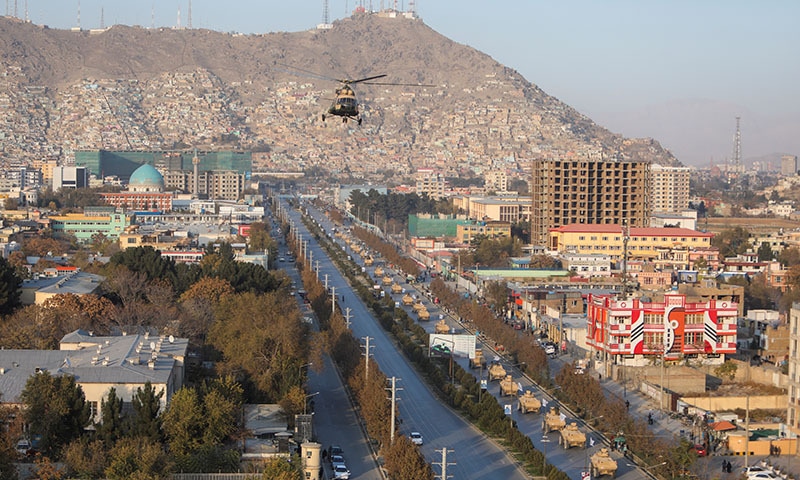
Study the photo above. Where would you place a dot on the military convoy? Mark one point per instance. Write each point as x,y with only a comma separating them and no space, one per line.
387,280
407,299
368,261
496,372
396,288
552,421
378,272
479,361
423,314
529,403
508,386
572,437
442,327
603,464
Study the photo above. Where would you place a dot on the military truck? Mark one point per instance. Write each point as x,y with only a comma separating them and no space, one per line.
442,327
396,288
603,464
378,271
423,314
496,372
407,299
529,403
552,421
572,437
508,386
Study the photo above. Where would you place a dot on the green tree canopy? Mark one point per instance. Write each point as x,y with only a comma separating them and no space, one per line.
10,284
56,409
145,421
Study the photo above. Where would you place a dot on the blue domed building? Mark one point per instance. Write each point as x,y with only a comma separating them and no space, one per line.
145,192
146,179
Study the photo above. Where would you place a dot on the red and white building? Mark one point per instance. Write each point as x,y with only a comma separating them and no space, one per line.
630,332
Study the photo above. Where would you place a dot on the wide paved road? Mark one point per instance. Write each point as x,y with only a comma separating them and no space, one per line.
471,455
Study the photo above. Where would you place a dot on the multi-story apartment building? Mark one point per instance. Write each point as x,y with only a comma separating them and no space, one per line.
217,185
69,177
652,244
669,188
496,181
584,191
430,182
793,411
512,209
631,332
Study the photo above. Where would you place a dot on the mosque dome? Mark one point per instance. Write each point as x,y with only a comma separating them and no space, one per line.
146,179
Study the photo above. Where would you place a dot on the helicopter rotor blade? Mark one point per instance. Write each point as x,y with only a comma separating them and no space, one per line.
400,84
362,79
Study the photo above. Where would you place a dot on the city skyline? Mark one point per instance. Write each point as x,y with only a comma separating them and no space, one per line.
677,71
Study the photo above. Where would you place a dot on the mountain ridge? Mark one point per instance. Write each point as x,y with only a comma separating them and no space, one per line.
131,88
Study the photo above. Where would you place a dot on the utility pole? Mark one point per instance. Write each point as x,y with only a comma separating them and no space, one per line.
444,464
366,358
316,269
747,431
347,317
326,282
333,300
394,399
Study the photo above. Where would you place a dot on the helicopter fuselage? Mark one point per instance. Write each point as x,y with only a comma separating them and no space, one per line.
345,104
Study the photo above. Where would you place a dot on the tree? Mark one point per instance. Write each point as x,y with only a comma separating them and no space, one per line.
55,408
765,253
137,458
183,422
110,428
405,462
10,284
85,458
145,421
280,469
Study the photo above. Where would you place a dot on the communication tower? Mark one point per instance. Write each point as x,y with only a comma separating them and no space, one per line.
189,16
737,148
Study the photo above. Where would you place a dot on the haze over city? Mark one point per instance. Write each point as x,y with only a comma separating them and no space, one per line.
676,71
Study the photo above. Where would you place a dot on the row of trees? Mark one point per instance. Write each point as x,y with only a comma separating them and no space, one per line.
394,208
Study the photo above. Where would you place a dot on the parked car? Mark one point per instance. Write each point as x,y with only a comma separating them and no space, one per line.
337,460
416,438
762,476
340,472
335,450
700,450
550,348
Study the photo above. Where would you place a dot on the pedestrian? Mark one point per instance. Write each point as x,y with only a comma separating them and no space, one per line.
724,465
627,405
730,467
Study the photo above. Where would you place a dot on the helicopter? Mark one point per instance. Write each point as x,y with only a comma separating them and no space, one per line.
345,104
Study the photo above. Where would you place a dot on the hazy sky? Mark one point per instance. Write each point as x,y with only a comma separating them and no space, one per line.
676,70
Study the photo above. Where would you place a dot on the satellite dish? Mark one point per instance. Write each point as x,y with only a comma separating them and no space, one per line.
171,339
152,345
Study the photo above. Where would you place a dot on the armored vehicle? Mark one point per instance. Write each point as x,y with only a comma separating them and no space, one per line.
508,386
396,288
479,360
408,299
603,464
496,372
572,437
387,280
424,314
529,403
378,271
442,327
552,421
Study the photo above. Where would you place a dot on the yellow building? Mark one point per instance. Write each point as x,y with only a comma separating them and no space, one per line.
643,243
465,233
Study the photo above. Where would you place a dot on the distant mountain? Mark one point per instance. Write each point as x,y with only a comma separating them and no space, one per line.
135,88
699,132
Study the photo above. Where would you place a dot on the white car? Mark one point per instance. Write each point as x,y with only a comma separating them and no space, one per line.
765,475
337,460
416,438
340,472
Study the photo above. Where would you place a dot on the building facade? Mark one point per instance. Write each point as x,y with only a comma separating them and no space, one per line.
631,332
585,191
652,244
465,233
86,225
793,411
430,182
669,187
789,165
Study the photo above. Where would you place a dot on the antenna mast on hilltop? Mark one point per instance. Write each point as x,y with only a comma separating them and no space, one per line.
179,18
325,17
189,16
79,13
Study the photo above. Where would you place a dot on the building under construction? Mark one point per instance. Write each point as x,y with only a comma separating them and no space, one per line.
584,191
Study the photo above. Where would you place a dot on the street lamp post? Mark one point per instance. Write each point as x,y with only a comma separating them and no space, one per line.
305,400
301,367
